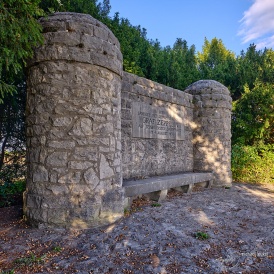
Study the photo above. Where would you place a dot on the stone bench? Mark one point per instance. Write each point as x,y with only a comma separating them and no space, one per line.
156,188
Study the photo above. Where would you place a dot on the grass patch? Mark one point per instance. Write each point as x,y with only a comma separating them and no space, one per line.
57,249
201,235
30,260
156,205
7,271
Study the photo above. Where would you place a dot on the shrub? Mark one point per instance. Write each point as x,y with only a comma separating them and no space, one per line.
11,193
12,179
201,235
253,164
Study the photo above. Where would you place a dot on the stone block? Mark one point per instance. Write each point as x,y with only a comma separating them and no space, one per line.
40,174
86,153
91,178
82,127
62,37
100,33
157,196
128,202
105,170
71,177
61,121
57,159
58,190
34,201
81,165
58,217
37,216
61,144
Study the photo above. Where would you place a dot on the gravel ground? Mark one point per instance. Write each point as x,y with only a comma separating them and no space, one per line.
208,231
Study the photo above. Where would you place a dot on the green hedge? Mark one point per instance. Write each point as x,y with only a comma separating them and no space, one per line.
11,193
12,179
253,164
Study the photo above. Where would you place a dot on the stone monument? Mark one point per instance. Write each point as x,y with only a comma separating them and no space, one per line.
90,126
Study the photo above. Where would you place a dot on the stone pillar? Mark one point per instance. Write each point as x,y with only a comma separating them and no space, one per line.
212,129
74,125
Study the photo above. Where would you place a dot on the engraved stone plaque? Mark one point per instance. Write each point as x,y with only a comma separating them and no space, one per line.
156,122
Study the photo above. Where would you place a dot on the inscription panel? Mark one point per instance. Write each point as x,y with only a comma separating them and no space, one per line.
156,123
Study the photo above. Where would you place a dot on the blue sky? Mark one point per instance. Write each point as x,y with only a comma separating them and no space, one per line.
237,22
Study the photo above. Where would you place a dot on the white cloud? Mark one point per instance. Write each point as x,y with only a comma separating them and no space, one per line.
257,24
266,43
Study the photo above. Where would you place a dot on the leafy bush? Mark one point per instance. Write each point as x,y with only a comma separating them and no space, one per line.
12,179
253,164
253,118
11,193
14,168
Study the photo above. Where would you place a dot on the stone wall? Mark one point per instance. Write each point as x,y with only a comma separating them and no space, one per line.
167,153
74,125
79,150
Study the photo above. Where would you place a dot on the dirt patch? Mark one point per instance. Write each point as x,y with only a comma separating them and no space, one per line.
209,231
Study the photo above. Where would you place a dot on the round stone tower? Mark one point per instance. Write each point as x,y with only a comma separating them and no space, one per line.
212,129
74,125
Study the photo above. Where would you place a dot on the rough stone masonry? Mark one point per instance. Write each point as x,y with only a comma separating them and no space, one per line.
90,125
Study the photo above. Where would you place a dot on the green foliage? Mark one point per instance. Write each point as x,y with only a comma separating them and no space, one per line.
57,249
156,205
250,66
253,164
126,211
97,10
12,122
250,77
217,63
12,145
179,65
19,32
5,89
11,192
253,119
7,271
30,260
175,67
213,55
201,235
133,42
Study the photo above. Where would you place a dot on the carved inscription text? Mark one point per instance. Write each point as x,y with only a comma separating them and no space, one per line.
155,122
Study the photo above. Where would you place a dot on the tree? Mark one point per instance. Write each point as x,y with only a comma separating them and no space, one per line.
250,67
19,32
175,67
99,11
185,58
133,41
268,67
217,63
253,121
12,131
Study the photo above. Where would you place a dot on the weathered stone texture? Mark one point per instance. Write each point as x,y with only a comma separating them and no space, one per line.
212,129
144,157
73,126
90,125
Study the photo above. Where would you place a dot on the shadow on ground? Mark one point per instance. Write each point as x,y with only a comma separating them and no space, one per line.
208,231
